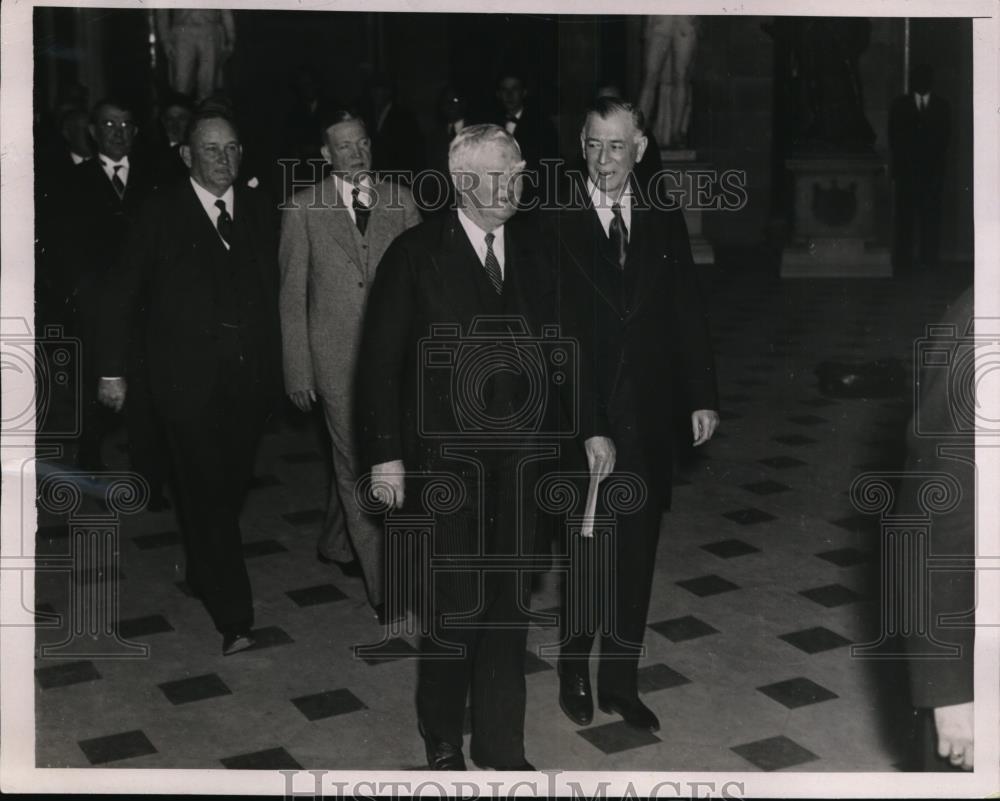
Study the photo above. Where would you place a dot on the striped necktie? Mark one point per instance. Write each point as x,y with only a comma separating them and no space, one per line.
493,266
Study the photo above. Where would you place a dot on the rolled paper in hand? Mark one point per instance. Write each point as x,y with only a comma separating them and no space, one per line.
587,530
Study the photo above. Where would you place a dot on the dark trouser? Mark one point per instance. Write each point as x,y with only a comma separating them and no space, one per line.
492,631
147,447
213,460
917,222
612,576
97,421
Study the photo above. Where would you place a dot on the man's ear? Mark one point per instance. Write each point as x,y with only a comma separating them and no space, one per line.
185,151
324,151
641,144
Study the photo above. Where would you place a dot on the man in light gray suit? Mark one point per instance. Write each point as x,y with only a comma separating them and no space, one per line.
333,236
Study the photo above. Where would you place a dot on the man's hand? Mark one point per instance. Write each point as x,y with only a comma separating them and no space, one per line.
955,734
303,399
703,425
111,392
600,456
387,483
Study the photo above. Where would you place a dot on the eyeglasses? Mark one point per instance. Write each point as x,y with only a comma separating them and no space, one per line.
121,125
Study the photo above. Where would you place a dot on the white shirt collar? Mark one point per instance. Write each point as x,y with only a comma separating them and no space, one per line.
108,164
346,190
77,158
477,237
207,200
922,99
109,168
602,205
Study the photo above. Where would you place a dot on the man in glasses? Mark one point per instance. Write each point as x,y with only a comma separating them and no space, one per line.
102,201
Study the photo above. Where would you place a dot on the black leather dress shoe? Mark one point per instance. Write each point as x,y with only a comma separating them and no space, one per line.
234,643
350,569
441,755
575,698
633,711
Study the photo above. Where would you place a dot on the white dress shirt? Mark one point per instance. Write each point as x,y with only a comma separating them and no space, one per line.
109,168
346,190
602,204
511,125
477,236
922,100
208,203
78,159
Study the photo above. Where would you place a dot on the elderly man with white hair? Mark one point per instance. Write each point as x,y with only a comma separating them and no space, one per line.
455,315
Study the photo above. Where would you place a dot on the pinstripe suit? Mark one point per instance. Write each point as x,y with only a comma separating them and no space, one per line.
327,269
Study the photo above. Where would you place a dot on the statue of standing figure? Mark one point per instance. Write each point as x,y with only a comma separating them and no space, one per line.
197,42
670,44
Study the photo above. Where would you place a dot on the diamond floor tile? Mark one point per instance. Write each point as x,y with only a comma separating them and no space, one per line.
319,594
704,586
66,674
613,738
196,688
749,516
797,692
831,595
659,677
727,549
775,753
682,629
328,704
815,639
268,759
116,747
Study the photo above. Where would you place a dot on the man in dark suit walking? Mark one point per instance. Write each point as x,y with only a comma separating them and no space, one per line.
201,270
919,130
102,203
629,294
487,279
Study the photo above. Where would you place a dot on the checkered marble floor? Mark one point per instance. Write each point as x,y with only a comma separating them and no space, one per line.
765,576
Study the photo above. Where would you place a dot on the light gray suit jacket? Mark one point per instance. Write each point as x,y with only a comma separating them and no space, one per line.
327,269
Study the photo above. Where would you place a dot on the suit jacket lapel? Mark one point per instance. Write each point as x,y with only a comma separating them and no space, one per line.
201,224
339,226
645,253
579,230
455,263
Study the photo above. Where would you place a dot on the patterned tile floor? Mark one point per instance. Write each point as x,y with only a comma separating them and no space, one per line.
764,577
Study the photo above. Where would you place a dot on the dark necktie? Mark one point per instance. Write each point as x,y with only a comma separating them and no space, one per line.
361,211
224,223
619,235
493,266
117,182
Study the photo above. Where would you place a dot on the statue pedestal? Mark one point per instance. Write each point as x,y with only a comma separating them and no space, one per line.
690,174
834,234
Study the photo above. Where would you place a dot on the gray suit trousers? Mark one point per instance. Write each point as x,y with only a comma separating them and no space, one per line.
365,531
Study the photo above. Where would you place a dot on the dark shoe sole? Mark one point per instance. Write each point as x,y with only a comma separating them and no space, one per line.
609,707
